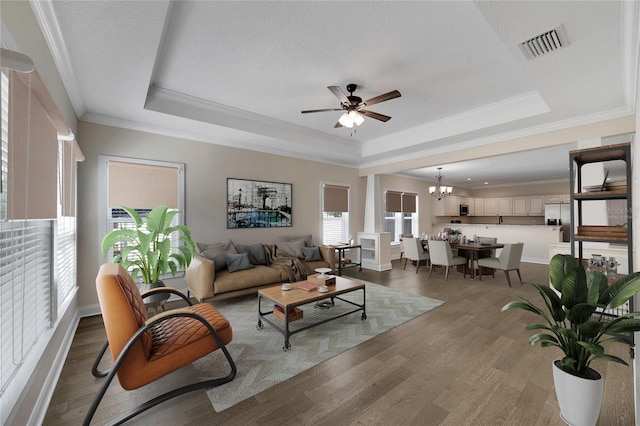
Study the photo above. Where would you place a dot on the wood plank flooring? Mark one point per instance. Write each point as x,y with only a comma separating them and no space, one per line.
464,363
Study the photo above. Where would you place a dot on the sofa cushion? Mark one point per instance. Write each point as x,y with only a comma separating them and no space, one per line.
255,252
292,248
216,251
237,262
260,275
311,254
308,239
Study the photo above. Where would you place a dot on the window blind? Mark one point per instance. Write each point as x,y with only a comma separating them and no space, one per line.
393,201
409,202
25,289
32,158
336,198
141,186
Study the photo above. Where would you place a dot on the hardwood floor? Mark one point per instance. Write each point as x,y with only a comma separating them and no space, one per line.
464,363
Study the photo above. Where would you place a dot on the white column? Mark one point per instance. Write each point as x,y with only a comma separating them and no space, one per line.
373,220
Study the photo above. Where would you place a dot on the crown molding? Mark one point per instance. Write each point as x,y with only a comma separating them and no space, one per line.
46,17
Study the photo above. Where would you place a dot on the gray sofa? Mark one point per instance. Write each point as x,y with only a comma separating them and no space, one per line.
224,269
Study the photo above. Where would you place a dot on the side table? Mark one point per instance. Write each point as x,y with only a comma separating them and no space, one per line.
341,249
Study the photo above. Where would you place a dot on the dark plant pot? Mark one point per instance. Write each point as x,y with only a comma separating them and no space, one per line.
579,398
155,301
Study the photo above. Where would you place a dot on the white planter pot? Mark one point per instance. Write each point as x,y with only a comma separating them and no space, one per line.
580,399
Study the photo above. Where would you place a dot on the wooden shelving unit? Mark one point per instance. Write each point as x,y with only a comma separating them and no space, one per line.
582,195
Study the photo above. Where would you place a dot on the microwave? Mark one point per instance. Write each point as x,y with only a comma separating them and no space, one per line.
464,210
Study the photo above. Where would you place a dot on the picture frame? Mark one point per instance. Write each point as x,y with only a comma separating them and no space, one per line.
258,204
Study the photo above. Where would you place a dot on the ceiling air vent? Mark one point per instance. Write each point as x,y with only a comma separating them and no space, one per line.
541,44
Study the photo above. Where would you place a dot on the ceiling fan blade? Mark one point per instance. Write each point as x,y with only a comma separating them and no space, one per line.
381,98
321,110
375,115
337,125
336,90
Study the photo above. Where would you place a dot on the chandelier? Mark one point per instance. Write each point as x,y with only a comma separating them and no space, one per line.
439,191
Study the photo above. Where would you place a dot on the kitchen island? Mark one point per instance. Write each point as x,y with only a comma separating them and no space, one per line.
536,238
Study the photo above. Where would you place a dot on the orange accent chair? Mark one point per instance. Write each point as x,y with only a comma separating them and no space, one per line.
144,350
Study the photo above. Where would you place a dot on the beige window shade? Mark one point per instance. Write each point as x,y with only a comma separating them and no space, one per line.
141,186
393,201
408,203
33,151
71,155
336,198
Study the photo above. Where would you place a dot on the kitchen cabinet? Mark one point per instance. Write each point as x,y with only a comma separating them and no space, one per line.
498,207
557,199
448,206
478,207
528,206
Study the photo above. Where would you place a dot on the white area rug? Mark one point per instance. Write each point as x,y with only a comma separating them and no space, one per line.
259,354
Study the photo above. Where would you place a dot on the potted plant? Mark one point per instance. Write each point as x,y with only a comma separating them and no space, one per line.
573,321
147,250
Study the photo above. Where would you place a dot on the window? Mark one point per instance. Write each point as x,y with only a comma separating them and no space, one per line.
401,215
37,245
335,214
140,185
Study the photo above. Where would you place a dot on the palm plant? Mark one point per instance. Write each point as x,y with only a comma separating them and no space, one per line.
574,318
147,249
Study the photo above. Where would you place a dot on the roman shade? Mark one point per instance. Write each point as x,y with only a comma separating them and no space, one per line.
336,198
33,149
393,201
409,202
71,154
141,186
399,202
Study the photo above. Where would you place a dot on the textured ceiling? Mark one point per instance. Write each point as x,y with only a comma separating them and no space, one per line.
239,73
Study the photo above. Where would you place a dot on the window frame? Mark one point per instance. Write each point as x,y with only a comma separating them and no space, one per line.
104,221
346,219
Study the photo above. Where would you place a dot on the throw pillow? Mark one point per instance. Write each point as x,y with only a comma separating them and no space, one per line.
237,262
311,254
308,240
216,252
292,248
255,252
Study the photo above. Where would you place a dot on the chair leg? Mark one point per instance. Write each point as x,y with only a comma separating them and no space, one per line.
405,264
520,277
508,279
446,273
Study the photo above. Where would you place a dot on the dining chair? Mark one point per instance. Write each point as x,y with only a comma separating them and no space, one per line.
147,349
509,260
402,237
414,252
441,255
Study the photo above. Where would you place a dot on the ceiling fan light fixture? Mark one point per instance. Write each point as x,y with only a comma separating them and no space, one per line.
345,120
351,118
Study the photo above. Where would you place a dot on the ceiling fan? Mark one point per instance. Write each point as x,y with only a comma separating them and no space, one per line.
354,106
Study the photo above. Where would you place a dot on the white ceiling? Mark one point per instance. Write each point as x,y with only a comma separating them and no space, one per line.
239,73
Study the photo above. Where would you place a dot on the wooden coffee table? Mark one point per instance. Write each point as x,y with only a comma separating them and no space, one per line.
312,316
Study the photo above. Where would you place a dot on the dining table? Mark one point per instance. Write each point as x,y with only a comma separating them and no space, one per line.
473,251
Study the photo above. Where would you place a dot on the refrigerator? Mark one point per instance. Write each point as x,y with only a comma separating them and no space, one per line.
559,215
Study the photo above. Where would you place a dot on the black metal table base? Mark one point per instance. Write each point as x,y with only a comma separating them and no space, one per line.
285,328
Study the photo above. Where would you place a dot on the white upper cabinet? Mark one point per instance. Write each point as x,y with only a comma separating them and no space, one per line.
528,206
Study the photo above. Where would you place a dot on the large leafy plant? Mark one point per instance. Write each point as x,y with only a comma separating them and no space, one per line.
147,250
573,318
